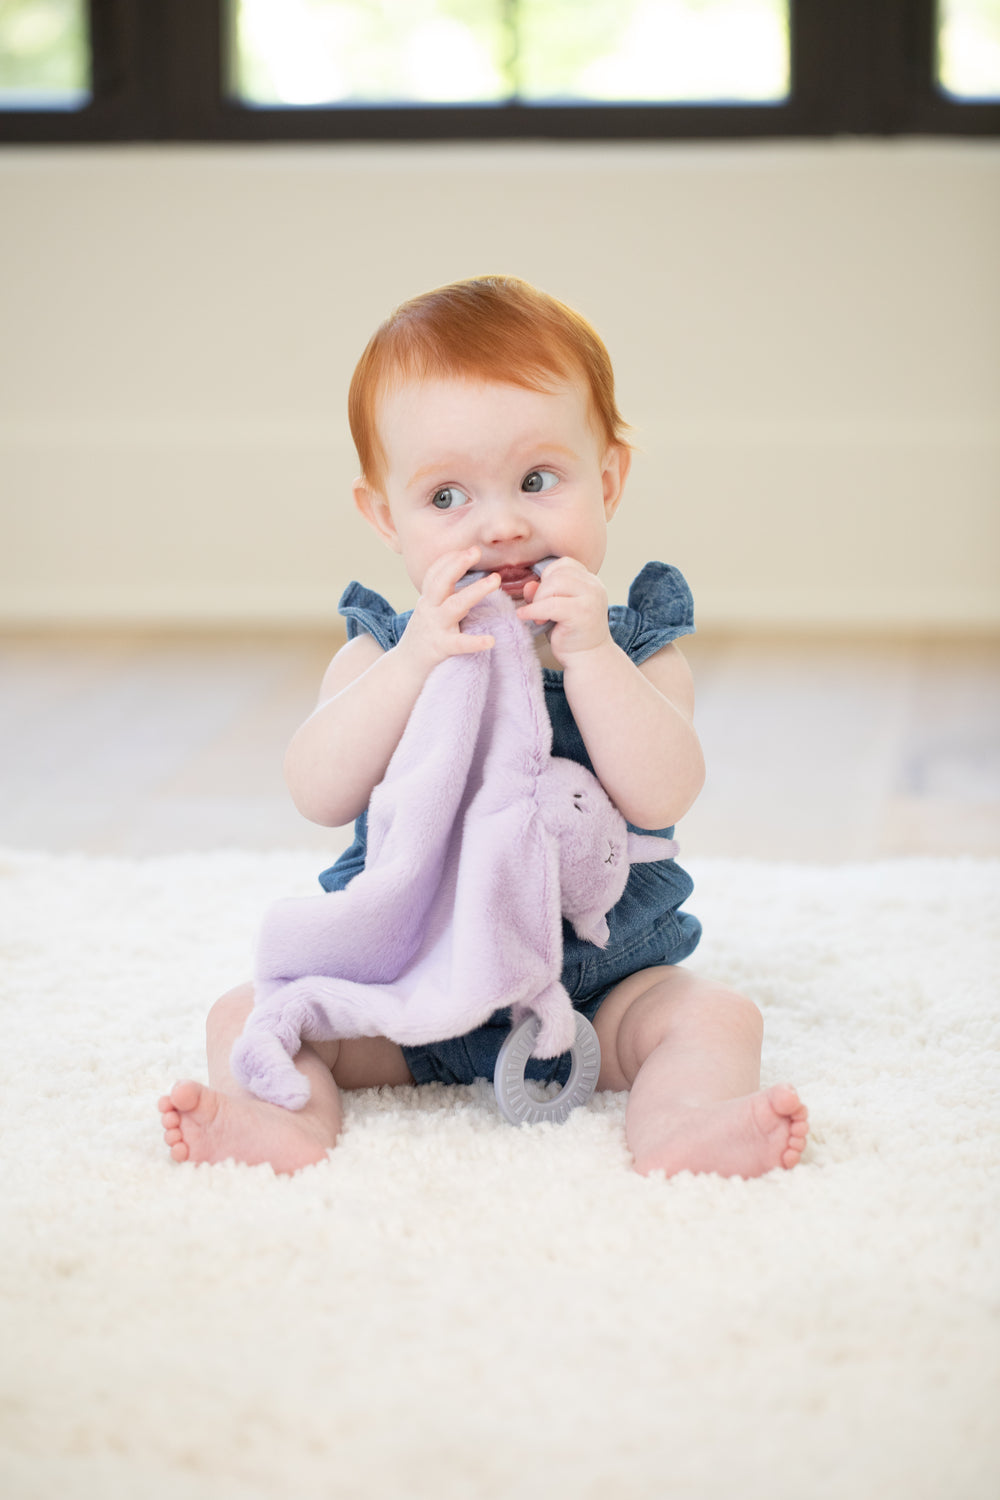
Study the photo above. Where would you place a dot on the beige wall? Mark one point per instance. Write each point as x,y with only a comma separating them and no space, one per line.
807,339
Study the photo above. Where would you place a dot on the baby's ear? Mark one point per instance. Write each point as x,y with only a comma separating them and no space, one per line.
375,508
614,472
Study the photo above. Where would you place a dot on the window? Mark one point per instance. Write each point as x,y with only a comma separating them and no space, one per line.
44,54
477,69
312,52
968,48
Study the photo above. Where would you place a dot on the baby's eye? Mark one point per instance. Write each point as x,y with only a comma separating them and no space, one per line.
450,498
538,480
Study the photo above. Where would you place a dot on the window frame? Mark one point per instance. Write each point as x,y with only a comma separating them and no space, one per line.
159,70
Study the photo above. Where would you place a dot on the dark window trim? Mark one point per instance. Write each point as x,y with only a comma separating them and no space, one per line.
859,67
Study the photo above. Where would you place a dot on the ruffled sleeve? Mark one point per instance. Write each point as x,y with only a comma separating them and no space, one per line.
659,609
367,612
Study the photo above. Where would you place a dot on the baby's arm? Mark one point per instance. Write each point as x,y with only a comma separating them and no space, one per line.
636,721
340,754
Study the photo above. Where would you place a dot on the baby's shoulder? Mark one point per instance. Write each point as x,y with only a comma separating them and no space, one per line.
348,664
660,608
368,614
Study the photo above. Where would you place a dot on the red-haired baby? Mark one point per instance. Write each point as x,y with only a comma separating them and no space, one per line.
489,439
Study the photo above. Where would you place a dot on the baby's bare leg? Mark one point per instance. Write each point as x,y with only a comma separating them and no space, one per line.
689,1052
223,1122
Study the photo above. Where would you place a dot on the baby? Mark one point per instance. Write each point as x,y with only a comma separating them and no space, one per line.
486,426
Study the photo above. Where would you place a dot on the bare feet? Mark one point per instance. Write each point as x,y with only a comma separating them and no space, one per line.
736,1138
200,1124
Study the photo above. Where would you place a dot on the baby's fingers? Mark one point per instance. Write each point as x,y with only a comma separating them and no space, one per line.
467,596
462,602
443,575
553,608
467,645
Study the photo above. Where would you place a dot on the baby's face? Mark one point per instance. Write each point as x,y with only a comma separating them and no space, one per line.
520,474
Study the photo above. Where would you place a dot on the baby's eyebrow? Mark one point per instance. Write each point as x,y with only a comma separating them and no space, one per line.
444,466
557,448
540,447
428,470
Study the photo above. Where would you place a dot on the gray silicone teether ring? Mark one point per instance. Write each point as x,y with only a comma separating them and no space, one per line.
467,578
516,1104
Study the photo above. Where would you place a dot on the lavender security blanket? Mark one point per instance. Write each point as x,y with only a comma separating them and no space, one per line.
479,842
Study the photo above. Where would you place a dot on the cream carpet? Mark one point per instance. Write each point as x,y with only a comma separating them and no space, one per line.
447,1307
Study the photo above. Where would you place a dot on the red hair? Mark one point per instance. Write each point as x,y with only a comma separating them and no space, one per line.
494,328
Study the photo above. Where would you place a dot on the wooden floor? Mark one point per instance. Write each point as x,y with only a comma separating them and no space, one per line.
818,750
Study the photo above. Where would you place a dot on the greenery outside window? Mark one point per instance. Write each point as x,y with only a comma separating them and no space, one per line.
314,52
968,49
44,54
412,70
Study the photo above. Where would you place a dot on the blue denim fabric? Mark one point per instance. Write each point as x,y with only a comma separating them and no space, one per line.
646,927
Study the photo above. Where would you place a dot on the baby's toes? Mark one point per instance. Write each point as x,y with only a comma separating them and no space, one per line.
184,1096
785,1101
173,1135
797,1136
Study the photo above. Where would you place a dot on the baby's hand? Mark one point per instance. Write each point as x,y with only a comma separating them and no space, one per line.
433,632
576,600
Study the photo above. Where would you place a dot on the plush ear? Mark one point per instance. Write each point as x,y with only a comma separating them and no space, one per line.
646,848
592,927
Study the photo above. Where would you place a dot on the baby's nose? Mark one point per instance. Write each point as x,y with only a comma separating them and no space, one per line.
504,523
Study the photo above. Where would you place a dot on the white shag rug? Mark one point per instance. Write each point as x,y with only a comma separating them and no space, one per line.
448,1307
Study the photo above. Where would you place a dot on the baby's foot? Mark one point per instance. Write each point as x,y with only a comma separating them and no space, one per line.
736,1138
200,1124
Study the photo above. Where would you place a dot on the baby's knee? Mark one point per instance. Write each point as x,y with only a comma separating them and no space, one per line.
682,1000
743,1012
230,1011
729,1009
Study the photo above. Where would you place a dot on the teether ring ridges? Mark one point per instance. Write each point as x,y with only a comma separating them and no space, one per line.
516,1104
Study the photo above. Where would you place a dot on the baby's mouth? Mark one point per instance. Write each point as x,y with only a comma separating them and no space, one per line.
513,578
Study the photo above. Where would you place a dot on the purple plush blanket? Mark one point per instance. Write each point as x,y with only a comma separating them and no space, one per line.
479,841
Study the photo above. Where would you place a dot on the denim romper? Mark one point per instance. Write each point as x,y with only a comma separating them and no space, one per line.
646,926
